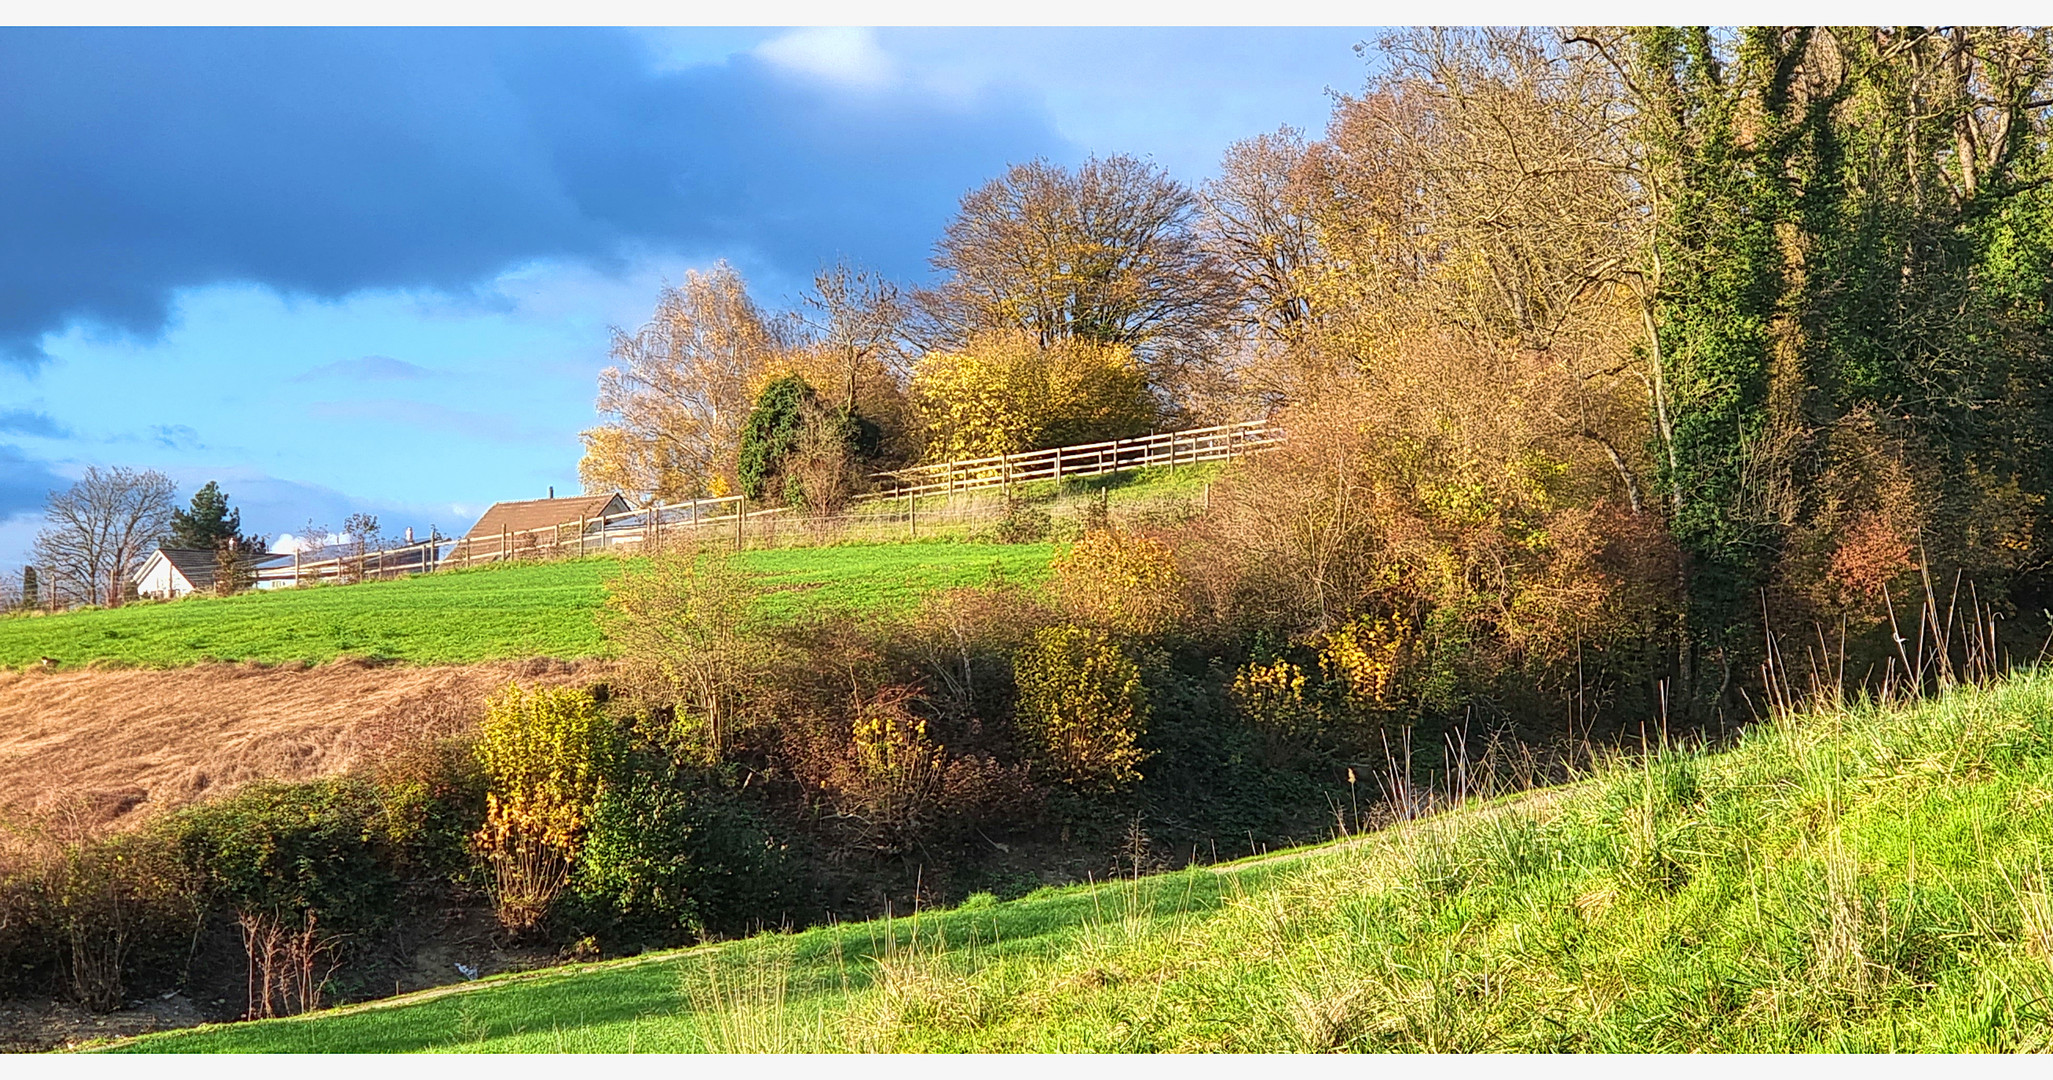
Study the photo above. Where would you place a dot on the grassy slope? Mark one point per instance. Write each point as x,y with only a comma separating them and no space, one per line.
1869,880
497,612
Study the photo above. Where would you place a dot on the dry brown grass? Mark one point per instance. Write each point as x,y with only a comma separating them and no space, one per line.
109,749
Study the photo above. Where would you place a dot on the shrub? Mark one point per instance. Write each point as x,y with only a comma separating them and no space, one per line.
1005,392
431,800
1126,584
671,855
544,752
771,433
299,865
1367,656
1081,708
1273,698
882,774
1023,523
962,642
796,447
690,641
86,916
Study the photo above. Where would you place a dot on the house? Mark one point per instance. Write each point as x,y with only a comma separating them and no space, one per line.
170,573
509,518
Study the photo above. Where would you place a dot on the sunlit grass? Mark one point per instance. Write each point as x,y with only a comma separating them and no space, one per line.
1865,880
519,610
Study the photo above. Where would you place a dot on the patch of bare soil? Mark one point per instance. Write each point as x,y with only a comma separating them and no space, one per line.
30,1026
109,749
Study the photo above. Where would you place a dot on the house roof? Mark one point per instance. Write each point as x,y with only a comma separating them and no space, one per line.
197,565
543,513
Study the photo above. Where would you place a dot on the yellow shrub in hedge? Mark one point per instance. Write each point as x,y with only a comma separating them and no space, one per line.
1128,584
1367,655
545,752
1081,707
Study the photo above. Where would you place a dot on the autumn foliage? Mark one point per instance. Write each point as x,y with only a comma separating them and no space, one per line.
545,751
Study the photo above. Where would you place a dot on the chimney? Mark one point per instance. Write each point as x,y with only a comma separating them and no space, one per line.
409,534
552,491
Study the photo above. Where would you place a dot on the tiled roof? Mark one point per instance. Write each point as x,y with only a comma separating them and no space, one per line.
543,513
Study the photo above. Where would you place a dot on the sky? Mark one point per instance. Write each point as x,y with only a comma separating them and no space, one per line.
377,271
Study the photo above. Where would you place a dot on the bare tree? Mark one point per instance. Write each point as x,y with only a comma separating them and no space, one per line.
1106,253
856,318
678,392
102,529
364,538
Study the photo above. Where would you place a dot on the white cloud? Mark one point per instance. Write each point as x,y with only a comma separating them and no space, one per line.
847,55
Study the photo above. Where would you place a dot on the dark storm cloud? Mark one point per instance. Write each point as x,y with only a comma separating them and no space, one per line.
30,422
321,162
24,482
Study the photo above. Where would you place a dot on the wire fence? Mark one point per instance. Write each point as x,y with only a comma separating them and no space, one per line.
925,501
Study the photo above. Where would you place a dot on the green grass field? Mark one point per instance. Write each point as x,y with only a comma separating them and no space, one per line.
1865,880
494,612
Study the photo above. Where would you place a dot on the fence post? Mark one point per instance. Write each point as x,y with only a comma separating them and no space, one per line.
582,527
505,542
912,515
740,514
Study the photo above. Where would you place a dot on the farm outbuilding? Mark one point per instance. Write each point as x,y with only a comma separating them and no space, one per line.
512,518
170,573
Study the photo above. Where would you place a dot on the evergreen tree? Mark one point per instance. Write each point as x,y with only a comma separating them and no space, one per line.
210,524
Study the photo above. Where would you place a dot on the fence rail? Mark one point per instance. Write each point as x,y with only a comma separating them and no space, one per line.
1172,448
730,515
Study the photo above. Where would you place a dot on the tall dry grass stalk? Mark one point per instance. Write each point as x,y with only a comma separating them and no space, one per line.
1846,927
289,968
528,874
1945,641
739,999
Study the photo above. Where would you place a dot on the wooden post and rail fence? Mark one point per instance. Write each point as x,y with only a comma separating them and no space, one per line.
648,526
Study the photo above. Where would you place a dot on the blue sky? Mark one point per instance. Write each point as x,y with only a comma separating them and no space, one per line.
375,270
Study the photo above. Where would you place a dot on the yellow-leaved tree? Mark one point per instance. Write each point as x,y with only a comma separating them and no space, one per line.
1005,393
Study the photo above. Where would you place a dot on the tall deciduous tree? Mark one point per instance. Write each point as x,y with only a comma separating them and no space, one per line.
1106,253
1257,217
857,319
1851,307
101,529
680,389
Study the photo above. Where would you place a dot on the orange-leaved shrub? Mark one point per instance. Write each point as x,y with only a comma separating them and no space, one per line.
1454,502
